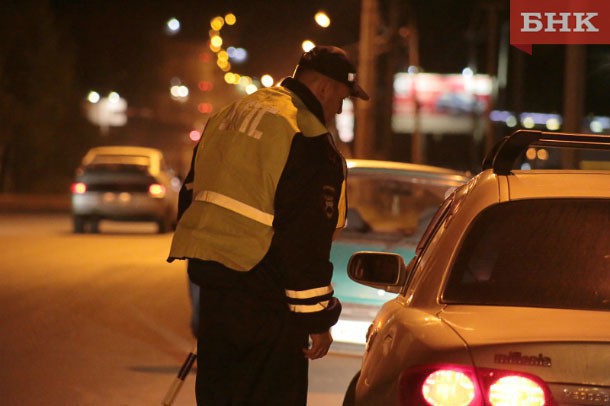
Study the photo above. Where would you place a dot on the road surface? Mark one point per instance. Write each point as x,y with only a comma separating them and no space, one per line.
103,319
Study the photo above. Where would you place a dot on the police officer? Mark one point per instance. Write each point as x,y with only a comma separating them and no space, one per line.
268,194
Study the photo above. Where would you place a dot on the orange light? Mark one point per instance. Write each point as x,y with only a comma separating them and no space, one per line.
516,390
79,188
205,108
156,190
447,386
205,86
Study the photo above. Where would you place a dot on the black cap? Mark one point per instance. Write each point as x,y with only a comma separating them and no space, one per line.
334,63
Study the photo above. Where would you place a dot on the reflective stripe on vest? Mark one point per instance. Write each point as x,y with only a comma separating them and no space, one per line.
309,293
318,307
235,206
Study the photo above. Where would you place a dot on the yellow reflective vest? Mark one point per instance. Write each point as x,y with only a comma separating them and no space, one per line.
240,161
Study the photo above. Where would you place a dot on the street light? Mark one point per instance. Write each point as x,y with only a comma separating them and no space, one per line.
322,19
172,26
307,45
106,111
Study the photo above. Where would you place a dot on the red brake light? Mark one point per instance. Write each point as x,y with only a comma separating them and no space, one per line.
448,386
78,188
156,190
439,385
512,387
467,386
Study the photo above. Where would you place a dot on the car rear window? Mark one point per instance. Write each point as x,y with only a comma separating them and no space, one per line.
116,168
536,253
139,160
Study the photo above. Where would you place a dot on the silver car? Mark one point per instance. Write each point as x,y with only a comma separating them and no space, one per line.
124,183
507,300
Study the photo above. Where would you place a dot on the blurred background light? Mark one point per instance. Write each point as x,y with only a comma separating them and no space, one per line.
205,85
217,23
172,26
467,72
237,55
230,19
553,124
542,154
230,78
205,108
93,97
528,122
307,45
216,41
114,97
195,135
251,88
322,19
267,80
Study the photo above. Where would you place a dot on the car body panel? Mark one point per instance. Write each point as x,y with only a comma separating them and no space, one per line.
404,336
524,184
558,345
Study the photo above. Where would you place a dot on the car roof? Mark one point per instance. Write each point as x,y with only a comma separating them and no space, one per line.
558,183
545,183
151,157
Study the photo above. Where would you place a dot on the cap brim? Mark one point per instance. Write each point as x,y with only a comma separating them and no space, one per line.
359,92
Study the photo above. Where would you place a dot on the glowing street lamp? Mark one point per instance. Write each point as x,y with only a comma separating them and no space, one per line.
267,80
172,26
307,45
322,19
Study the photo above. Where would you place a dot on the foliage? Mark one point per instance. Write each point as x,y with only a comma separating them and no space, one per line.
42,131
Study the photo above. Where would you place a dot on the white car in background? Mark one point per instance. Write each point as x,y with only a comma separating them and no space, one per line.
124,183
507,300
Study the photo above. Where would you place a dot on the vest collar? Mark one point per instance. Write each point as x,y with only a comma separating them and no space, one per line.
310,101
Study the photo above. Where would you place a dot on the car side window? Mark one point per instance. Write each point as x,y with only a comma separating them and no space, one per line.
435,223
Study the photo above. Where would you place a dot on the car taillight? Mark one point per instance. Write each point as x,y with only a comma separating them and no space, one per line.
156,190
447,386
434,385
513,388
78,188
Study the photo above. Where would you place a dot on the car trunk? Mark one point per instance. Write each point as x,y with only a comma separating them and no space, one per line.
566,348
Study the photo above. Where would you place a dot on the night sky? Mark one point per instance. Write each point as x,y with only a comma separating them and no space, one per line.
115,41
114,38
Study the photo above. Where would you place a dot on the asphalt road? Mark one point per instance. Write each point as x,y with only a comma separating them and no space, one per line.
103,319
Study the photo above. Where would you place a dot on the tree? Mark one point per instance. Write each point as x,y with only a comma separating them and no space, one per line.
42,131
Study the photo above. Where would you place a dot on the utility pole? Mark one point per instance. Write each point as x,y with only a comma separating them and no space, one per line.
364,141
418,145
573,97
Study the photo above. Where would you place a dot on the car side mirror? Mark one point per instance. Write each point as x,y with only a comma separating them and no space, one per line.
380,270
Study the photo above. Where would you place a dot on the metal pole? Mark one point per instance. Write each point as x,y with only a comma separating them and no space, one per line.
174,388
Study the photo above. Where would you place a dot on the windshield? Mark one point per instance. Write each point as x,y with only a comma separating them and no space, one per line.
392,204
539,253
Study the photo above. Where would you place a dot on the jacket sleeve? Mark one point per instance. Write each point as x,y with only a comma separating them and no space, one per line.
185,195
306,216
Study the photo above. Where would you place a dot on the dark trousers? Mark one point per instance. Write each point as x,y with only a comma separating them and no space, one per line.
249,351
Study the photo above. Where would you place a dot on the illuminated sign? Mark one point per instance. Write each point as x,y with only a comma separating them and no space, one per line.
440,103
